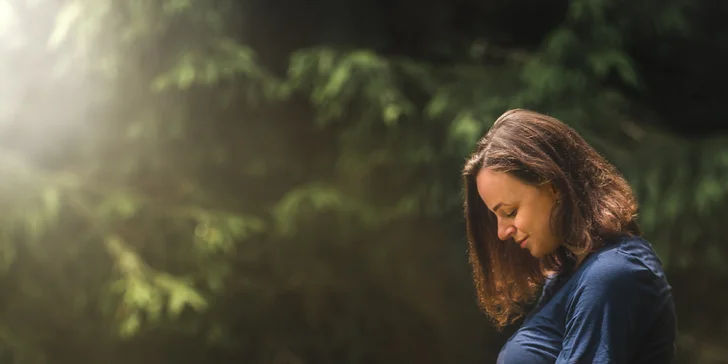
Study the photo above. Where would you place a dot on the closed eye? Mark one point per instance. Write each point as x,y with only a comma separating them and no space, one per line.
512,214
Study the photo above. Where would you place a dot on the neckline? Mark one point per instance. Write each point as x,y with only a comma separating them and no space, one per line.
556,282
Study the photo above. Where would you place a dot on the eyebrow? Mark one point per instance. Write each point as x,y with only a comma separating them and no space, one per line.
497,206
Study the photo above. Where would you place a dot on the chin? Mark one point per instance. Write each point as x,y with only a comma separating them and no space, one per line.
540,253
536,253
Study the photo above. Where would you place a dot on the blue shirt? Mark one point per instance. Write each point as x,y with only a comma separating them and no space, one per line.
616,307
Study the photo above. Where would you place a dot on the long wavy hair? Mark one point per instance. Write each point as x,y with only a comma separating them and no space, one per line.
597,204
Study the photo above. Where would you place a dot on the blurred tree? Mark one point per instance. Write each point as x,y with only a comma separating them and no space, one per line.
232,180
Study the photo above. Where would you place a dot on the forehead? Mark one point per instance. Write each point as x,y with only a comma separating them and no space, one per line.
496,187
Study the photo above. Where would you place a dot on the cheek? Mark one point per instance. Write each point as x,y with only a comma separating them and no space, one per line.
532,222
524,222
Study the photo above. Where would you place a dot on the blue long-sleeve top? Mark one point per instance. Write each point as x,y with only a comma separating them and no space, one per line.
615,307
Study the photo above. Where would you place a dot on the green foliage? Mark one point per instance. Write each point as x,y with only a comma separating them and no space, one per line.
225,60
337,82
145,291
182,208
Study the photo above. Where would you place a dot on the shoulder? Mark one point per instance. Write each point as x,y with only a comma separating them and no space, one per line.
619,306
629,265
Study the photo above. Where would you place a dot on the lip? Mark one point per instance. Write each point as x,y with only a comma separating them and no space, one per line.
523,243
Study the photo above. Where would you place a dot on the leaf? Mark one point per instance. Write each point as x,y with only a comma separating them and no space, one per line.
120,205
126,207
138,292
391,114
367,59
65,20
243,226
176,304
160,83
211,73
293,205
335,83
185,75
127,261
437,106
466,130
130,326
561,42
604,61
180,295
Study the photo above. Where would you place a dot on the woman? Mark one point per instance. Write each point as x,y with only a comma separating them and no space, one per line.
551,225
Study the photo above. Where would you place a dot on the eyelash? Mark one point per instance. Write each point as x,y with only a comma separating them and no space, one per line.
512,214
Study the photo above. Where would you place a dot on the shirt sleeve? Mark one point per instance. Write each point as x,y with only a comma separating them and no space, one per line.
609,309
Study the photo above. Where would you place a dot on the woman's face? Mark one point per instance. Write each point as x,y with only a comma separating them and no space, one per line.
523,211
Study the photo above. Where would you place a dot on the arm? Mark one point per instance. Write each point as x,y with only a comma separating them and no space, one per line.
608,313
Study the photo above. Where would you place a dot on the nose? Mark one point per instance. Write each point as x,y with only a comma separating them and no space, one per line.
505,230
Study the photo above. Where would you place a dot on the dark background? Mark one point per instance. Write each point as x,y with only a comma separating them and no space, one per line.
194,181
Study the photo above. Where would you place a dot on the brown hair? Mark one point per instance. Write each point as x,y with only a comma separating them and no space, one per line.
597,204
